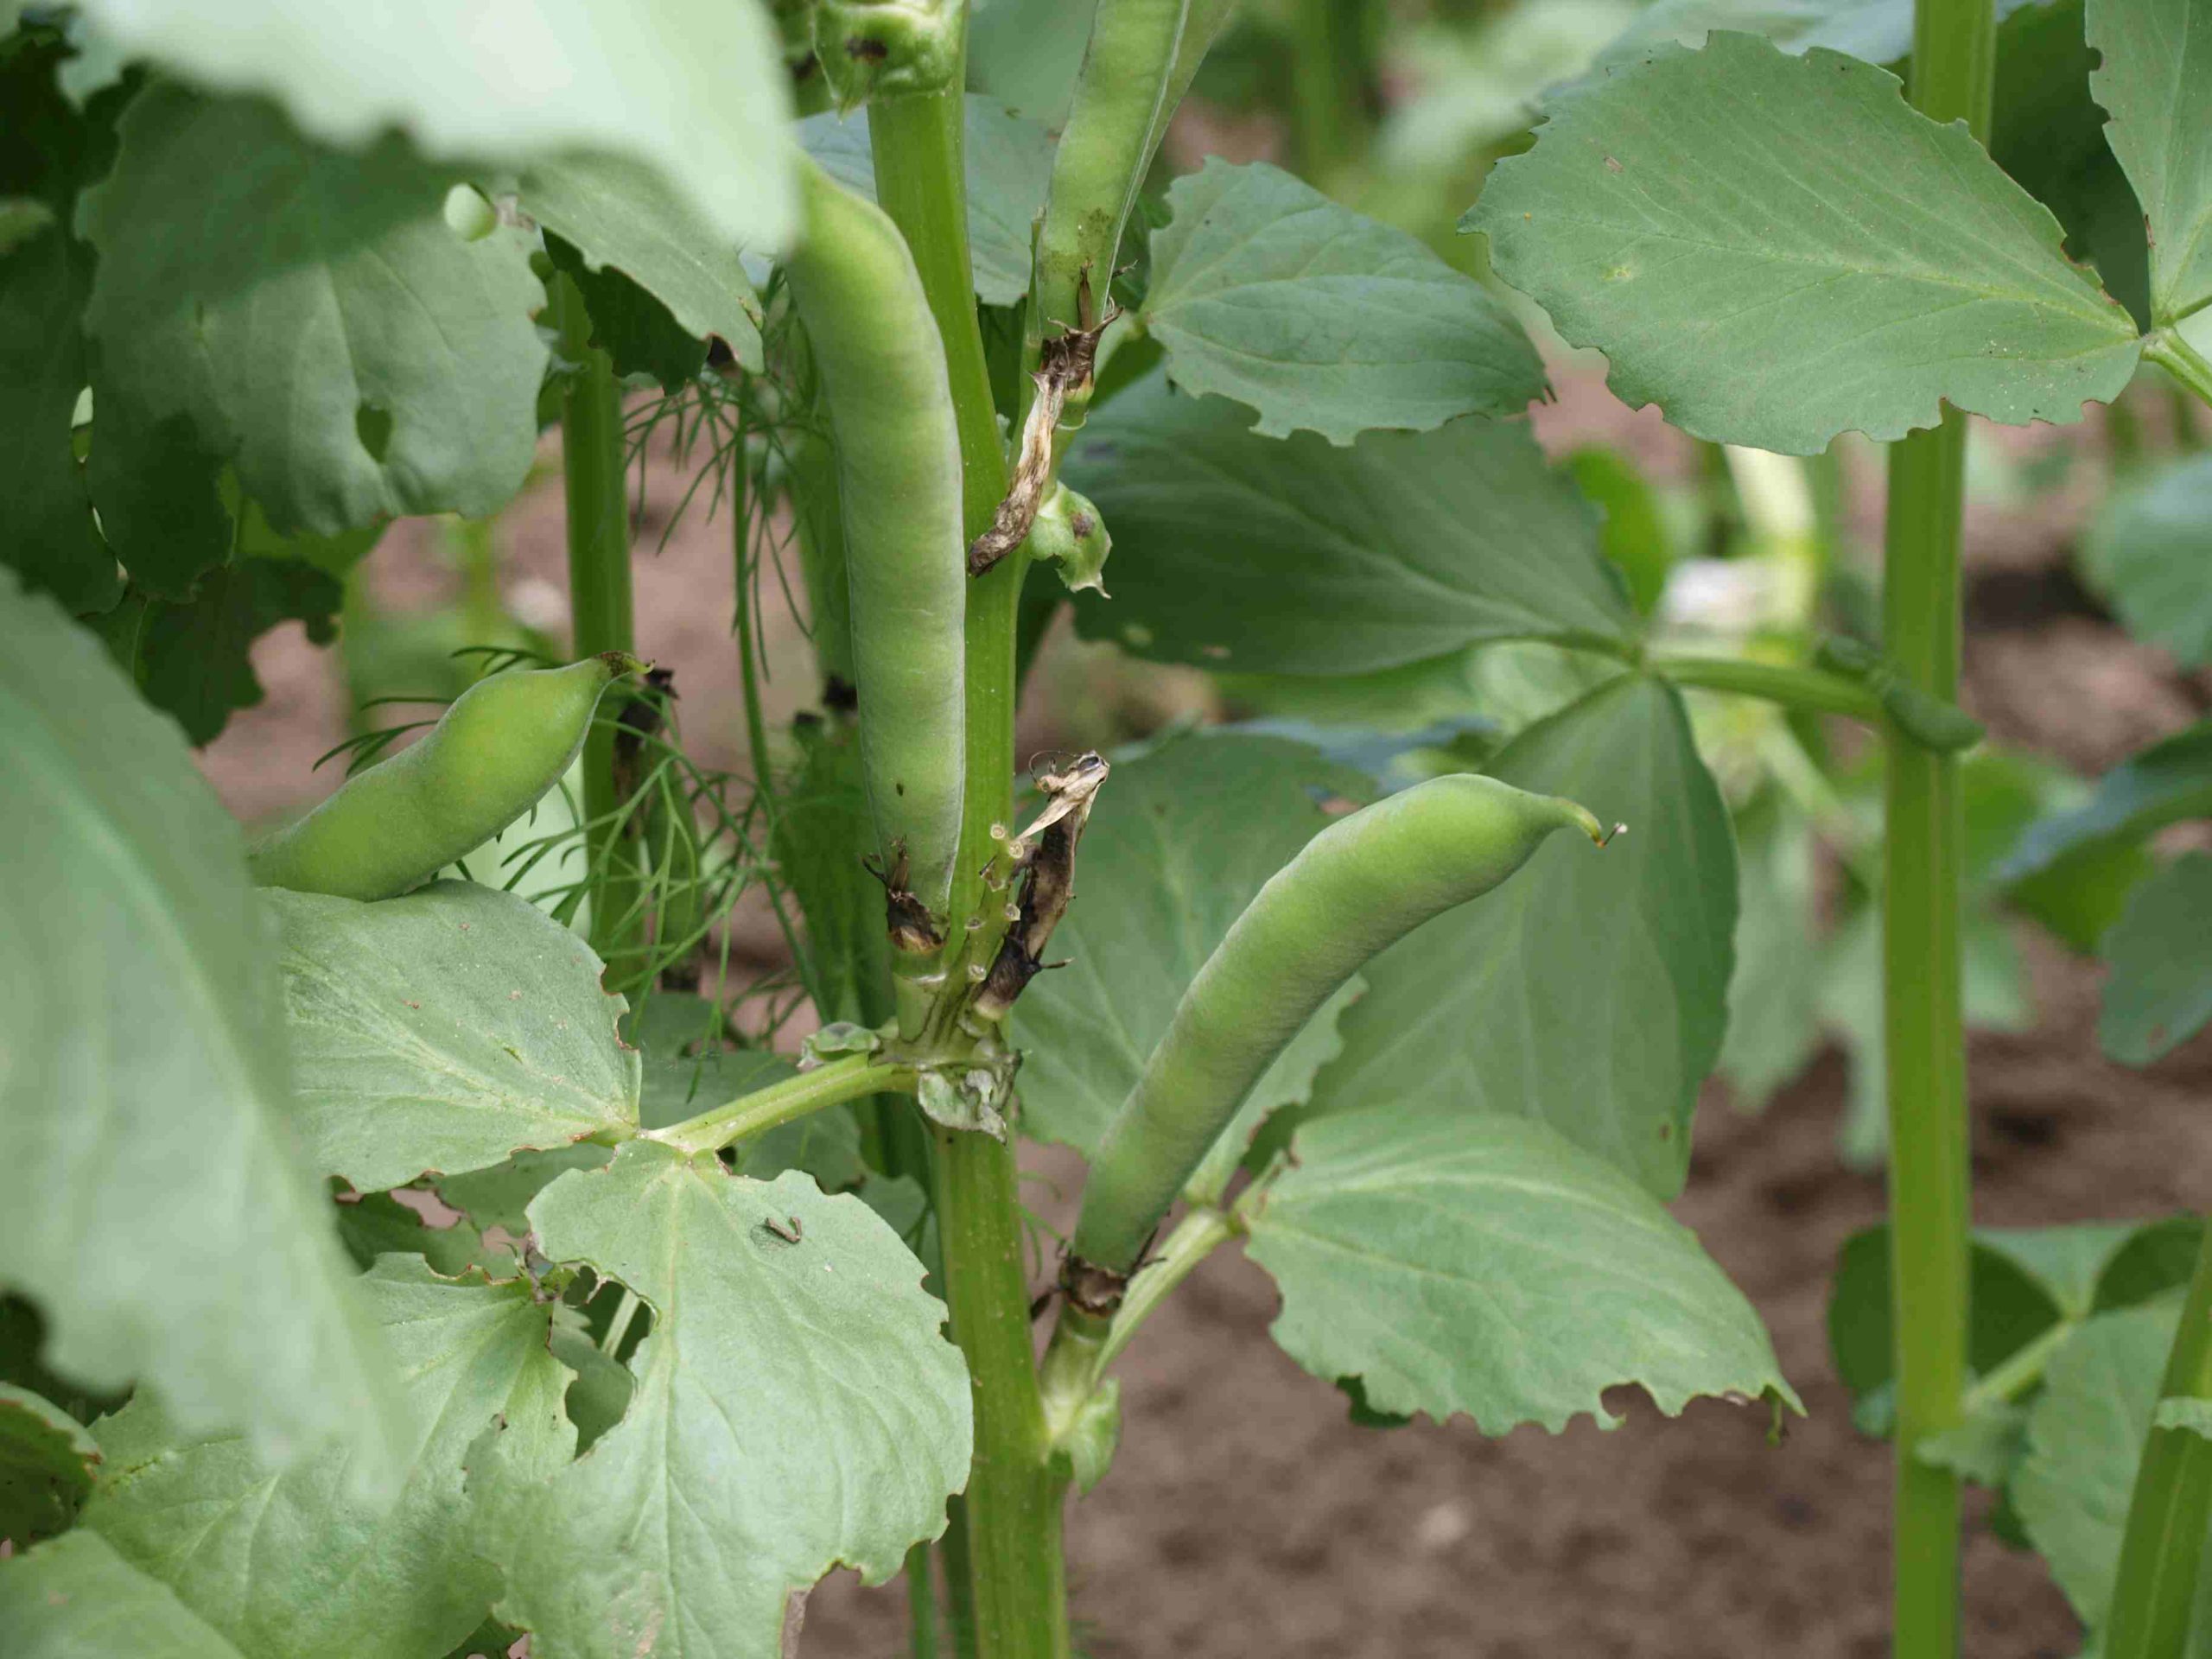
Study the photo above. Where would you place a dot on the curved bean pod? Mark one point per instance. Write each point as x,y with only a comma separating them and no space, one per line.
882,367
491,755
1361,884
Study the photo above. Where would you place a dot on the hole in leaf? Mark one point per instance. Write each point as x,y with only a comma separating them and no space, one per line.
374,427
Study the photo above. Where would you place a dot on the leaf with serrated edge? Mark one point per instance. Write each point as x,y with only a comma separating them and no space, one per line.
1590,991
696,87
2155,82
1010,160
1266,291
2167,783
445,1029
1179,842
47,1463
1461,1263
622,214
2085,1436
293,1563
75,1597
1227,545
796,1406
151,1198
1777,249
316,319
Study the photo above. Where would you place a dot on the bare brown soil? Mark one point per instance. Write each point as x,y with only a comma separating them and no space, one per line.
1248,1516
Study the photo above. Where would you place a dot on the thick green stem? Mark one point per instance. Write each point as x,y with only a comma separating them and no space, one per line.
1810,689
1954,55
594,447
1015,1603
849,1078
2154,1592
1014,1502
1328,89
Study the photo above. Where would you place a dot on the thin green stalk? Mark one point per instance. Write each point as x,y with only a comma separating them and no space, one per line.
1015,1575
2183,361
1954,54
1328,96
593,450
959,1578
844,1080
2020,1370
2154,1592
1811,689
921,1605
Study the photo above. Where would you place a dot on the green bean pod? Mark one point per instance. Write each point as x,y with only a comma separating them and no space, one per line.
1361,884
877,350
1100,163
504,742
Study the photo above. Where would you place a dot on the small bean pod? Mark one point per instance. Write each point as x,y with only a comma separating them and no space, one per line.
1361,884
1100,163
504,742
877,350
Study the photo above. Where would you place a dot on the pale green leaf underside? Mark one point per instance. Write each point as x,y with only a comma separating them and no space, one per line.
1264,290
1483,1265
47,1461
1590,990
150,1198
695,87
75,1597
445,1029
1777,249
2160,991
1009,169
622,214
1179,842
2155,82
2192,1414
1228,546
2150,553
262,294
797,1406
2085,1436
298,1562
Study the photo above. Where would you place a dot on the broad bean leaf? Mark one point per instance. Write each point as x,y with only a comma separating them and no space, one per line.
2085,1437
193,660
2160,992
2024,1282
1227,545
1880,31
75,1597
2167,783
46,1464
1778,249
444,1029
297,1562
1590,990
315,321
1026,54
1179,841
1774,995
55,542
622,216
1009,170
152,1200
796,1406
1264,290
2156,81
1456,1262
695,87
373,1224
2149,552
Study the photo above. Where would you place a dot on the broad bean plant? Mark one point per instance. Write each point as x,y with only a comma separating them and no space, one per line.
412,1240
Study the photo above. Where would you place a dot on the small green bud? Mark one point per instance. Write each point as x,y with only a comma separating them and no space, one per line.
886,48
1070,533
